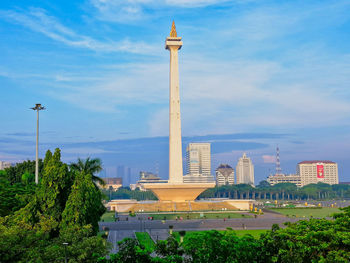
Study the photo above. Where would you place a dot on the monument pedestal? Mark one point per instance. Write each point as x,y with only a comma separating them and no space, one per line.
178,192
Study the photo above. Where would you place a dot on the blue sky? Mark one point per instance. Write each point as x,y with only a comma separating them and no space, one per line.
277,70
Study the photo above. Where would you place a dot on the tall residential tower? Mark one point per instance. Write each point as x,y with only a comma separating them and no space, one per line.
198,158
245,170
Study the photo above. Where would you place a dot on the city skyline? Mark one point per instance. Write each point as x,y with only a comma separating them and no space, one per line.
278,70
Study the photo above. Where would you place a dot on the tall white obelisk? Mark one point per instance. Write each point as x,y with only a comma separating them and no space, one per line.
173,44
175,190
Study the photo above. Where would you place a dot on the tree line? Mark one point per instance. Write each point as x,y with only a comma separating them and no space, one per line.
127,193
281,191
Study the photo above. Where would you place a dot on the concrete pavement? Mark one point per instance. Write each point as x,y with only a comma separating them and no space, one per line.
158,229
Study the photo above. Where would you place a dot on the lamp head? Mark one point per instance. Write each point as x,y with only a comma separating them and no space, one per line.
38,107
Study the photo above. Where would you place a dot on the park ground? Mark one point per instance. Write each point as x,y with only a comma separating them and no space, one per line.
316,212
148,231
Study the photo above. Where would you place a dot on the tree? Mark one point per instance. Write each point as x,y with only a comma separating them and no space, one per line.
14,196
14,173
215,247
23,243
314,240
55,186
263,184
84,205
35,233
130,250
170,250
49,200
89,166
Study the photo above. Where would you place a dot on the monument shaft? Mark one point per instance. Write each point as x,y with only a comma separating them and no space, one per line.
173,44
175,190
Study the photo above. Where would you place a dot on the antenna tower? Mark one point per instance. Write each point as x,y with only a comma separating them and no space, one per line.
278,164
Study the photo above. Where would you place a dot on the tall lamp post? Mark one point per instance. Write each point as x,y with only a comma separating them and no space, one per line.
65,244
38,108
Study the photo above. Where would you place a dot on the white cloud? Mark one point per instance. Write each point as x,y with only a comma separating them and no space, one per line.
123,11
269,159
129,11
230,96
194,3
84,151
38,20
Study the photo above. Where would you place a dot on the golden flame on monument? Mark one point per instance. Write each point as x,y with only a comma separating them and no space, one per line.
173,30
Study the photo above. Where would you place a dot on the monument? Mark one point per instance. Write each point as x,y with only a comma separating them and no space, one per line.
175,190
176,194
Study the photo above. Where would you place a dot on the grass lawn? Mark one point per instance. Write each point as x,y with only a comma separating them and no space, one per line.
255,233
108,217
317,212
198,216
146,240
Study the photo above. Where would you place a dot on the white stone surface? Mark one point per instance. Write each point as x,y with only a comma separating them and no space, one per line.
173,44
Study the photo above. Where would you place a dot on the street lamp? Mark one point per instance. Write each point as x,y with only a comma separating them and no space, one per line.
38,108
65,252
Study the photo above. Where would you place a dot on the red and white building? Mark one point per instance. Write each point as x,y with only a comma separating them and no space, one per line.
312,172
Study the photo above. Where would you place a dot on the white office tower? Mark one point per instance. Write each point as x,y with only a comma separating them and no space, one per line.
225,175
198,163
245,170
312,172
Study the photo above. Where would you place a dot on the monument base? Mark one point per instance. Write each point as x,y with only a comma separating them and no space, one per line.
217,204
178,192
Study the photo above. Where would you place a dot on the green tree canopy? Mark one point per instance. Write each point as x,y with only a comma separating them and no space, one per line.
84,204
14,173
89,166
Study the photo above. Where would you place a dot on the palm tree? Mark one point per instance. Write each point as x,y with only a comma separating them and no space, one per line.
89,166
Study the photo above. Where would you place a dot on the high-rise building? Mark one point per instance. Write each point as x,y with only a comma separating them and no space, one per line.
121,173
245,170
198,163
4,165
198,159
225,175
312,172
128,176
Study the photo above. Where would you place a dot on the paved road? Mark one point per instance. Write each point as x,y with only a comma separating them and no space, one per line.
159,230
262,222
117,235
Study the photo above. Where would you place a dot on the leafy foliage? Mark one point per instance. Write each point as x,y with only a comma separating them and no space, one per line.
130,250
64,207
84,203
89,166
22,243
14,196
126,193
14,174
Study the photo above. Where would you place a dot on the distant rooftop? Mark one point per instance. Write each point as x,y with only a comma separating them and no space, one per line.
113,180
224,166
315,161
